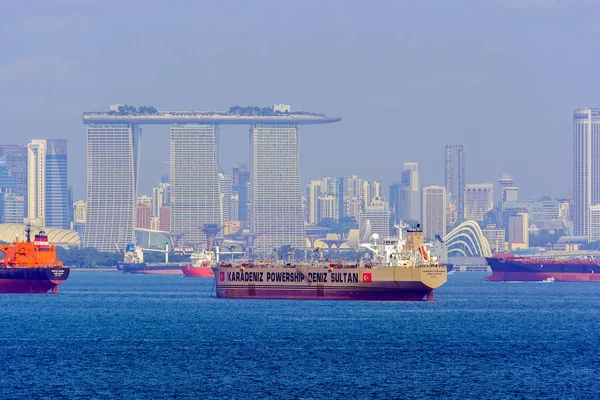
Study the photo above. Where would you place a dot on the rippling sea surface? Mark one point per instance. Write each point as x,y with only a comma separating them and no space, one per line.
110,335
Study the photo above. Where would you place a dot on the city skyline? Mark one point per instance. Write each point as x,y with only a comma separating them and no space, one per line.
442,68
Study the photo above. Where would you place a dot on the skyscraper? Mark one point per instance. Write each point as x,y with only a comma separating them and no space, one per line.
375,218
434,211
479,199
275,187
47,188
224,198
57,189
194,181
405,197
36,181
339,194
143,212
313,194
112,176
586,166
239,187
455,177
14,157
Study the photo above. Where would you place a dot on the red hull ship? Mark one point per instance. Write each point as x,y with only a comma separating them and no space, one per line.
31,267
201,266
531,269
197,272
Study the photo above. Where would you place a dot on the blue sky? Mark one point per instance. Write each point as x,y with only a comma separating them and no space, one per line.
407,77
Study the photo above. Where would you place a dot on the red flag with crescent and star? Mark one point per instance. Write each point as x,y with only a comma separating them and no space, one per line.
367,277
222,276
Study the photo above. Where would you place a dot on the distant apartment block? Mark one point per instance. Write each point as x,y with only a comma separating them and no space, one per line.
594,223
405,196
518,231
164,218
13,208
224,198
455,176
434,211
479,199
495,237
14,157
144,212
375,218
586,166
47,188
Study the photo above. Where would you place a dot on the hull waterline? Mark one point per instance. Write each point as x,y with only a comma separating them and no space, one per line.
32,280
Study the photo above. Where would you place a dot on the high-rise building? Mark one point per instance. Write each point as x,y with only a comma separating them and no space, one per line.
479,199
7,185
234,210
434,211
70,205
112,178
15,158
47,189
194,181
275,187
143,212
405,196
36,182
508,190
58,208
79,217
239,186
313,194
518,231
375,218
354,186
164,218
13,208
455,176
328,207
495,237
161,195
340,195
586,166
224,198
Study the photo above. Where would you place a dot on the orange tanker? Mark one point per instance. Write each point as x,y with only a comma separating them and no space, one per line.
31,267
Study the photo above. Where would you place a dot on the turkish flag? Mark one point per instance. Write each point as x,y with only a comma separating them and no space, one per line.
367,277
222,276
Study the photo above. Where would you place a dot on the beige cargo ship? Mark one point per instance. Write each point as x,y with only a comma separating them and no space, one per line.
399,269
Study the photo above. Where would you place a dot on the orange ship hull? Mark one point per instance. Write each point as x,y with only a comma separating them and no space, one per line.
197,272
32,280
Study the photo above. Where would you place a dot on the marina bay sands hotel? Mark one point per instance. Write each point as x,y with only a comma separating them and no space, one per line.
275,192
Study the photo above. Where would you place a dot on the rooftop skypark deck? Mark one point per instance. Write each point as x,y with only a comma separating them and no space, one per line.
235,116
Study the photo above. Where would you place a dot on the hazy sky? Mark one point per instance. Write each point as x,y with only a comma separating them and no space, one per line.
407,77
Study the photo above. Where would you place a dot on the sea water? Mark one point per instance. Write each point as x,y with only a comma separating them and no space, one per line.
108,335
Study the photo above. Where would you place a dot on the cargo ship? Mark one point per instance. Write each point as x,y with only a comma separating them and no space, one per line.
399,269
31,267
532,269
200,266
133,263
